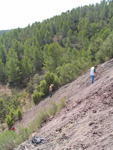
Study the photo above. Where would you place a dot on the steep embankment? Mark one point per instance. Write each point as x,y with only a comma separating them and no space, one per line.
87,120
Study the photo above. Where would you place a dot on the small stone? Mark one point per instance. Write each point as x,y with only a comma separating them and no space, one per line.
91,123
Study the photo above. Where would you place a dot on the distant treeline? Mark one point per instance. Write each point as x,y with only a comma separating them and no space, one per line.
4,31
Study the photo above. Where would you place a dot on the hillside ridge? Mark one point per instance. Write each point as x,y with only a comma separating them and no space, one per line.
87,120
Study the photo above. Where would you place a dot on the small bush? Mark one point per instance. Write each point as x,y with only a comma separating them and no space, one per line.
37,96
44,87
9,120
61,104
53,109
34,126
33,83
37,79
30,88
42,117
23,133
49,78
19,113
13,114
7,140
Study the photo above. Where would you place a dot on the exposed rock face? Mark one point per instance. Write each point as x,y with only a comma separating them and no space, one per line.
86,123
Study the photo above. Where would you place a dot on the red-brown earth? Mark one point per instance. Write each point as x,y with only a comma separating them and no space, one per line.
86,123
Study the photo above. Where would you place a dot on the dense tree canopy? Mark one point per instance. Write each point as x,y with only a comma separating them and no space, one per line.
58,41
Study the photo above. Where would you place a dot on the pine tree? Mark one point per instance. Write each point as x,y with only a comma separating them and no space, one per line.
2,71
12,67
53,56
27,67
3,53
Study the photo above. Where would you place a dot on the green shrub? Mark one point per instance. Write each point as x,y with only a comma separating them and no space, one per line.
30,88
53,109
49,78
61,104
23,133
37,96
8,106
19,113
34,126
33,83
9,120
8,140
15,102
37,79
2,109
42,117
44,87
12,113
66,73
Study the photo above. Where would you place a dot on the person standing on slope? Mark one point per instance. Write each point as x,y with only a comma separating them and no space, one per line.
50,90
92,73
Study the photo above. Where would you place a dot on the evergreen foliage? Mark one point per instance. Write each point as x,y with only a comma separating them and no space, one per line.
53,56
50,44
2,71
37,96
12,68
9,121
58,50
49,78
19,113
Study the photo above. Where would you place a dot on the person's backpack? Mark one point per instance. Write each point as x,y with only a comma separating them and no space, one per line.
37,140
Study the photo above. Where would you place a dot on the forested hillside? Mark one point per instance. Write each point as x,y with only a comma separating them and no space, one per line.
4,31
56,51
57,44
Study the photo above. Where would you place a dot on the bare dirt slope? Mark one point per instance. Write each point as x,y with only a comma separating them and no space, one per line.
87,120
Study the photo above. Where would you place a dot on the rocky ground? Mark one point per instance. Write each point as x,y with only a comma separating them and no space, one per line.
86,123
